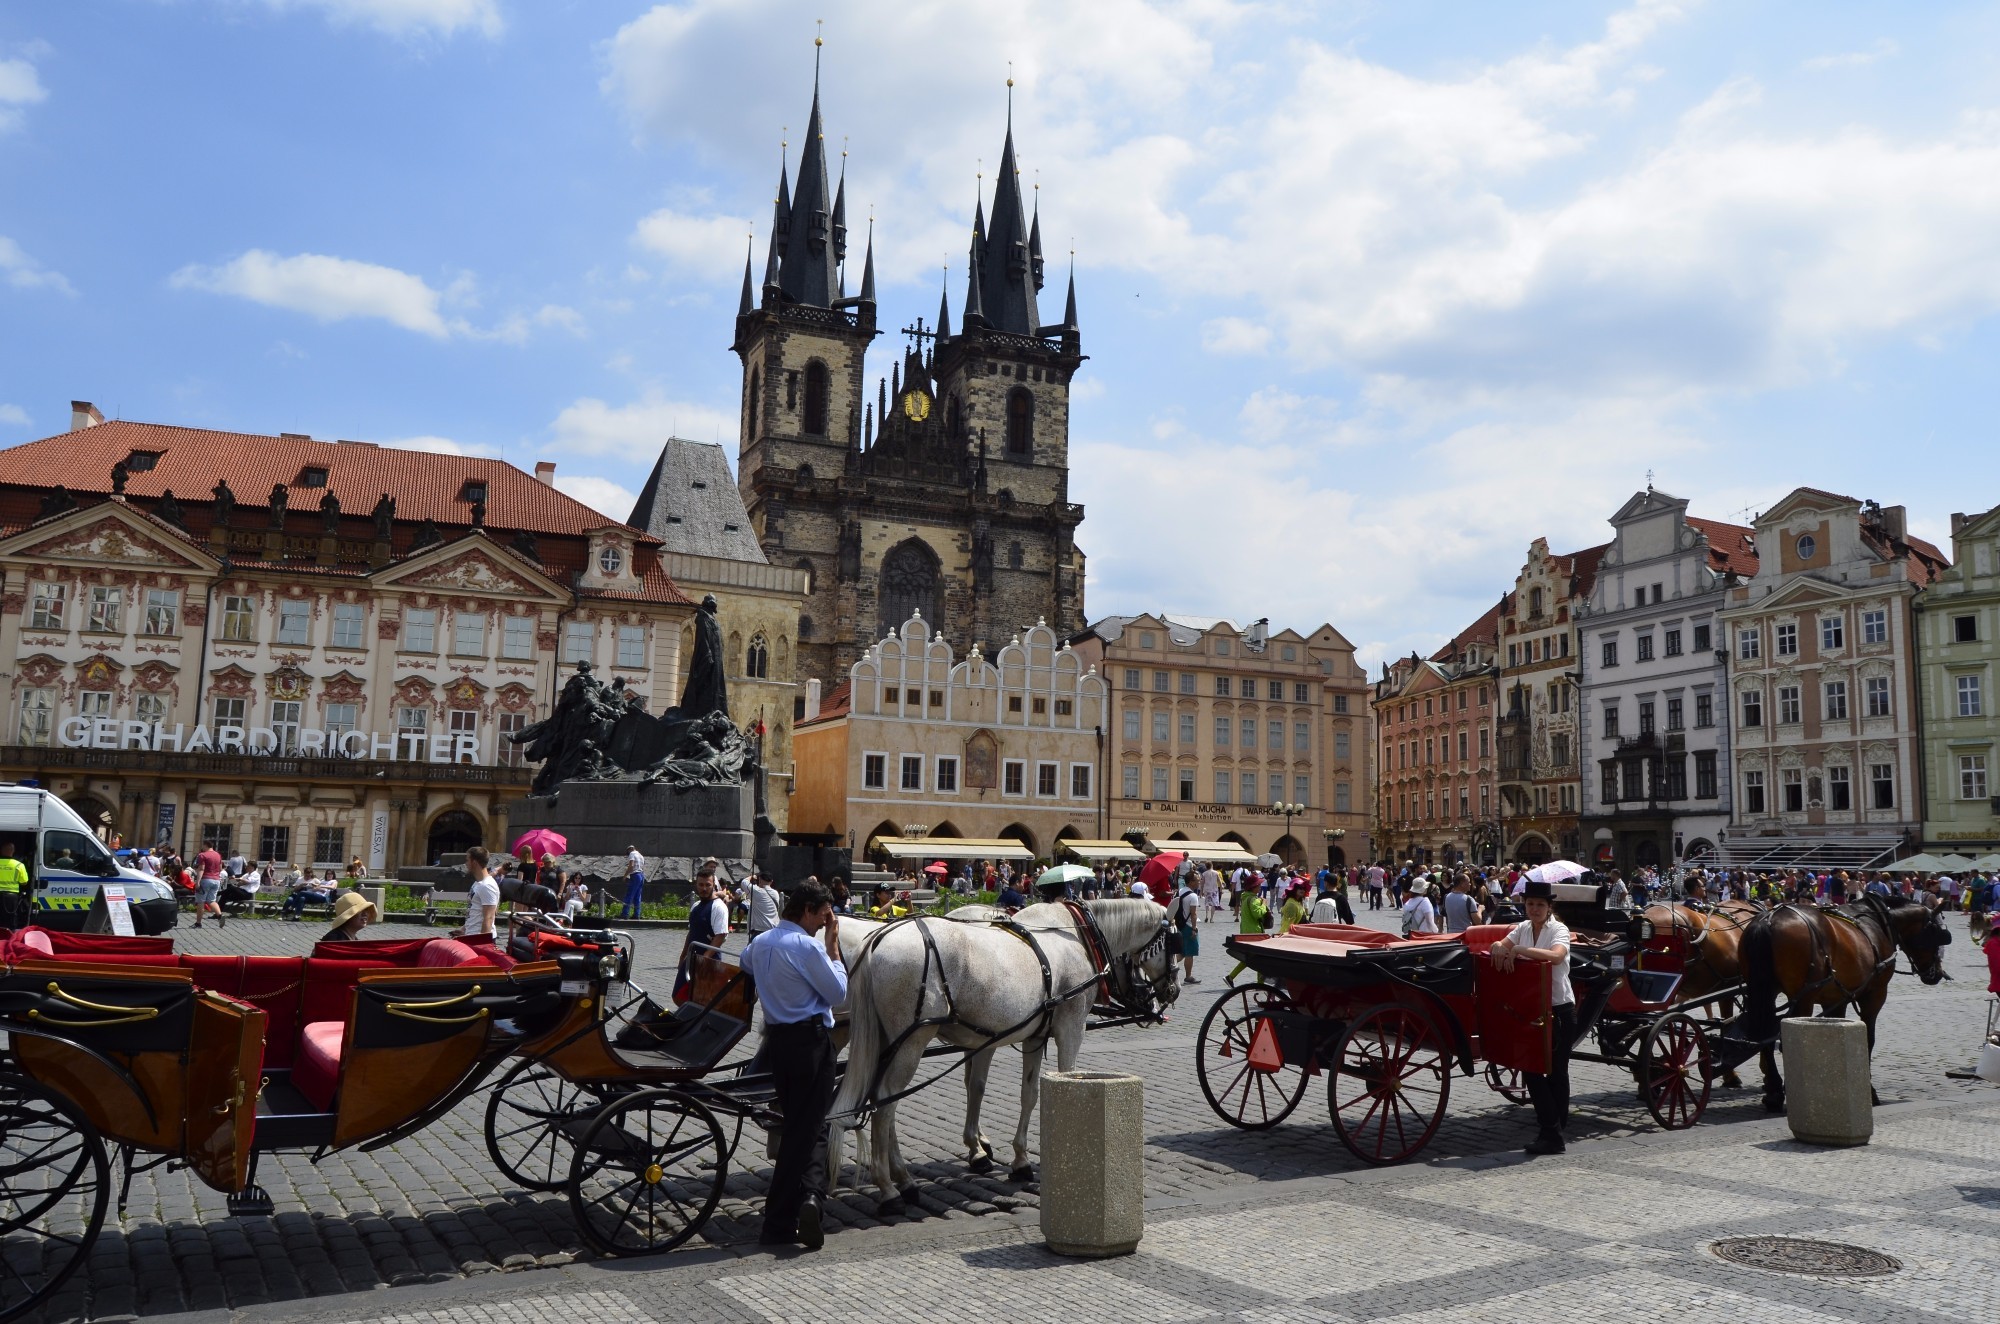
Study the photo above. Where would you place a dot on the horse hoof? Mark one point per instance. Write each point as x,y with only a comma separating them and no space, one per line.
1772,1105
1024,1173
980,1163
1732,1081
893,1207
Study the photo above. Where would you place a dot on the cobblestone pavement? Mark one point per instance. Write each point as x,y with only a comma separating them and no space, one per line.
433,1209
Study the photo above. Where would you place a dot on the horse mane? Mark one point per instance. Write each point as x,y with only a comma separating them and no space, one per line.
1125,921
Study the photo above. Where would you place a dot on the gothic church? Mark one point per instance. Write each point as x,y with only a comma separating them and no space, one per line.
948,492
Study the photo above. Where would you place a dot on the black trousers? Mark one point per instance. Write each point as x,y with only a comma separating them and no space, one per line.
1550,1093
799,1057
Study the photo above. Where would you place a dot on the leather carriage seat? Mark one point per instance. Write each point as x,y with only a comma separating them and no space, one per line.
447,952
316,1069
1480,937
329,994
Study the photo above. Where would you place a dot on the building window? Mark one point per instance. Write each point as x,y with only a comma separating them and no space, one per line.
1558,749
1645,717
1343,746
1248,730
756,658
1461,746
1753,708
1014,777
1792,785
1131,724
219,838
1343,798
349,618
1247,785
1875,626
1485,800
1131,678
1276,690
1753,792
94,703
1643,648
1832,634
1221,788
462,722
1700,638
1839,788
1788,705
274,844
1704,774
1274,736
1187,682
1970,700
1302,741
517,637
1222,729
47,610
1162,681
1187,728
1787,636
1129,782
163,611
1610,652
1704,710
419,631
1876,688
1340,702
1159,728
38,716
239,622
294,622
1835,701
1673,643
1965,629
1064,707
287,716
1610,724
107,610
1882,781
1301,692
1276,782
1972,776
913,773
342,718
509,752
150,708
1674,713
468,634
814,424
1301,789
1635,780
1222,687
632,649
1159,783
330,847
1020,423
413,725
227,713
874,772
1079,781
578,640
1748,644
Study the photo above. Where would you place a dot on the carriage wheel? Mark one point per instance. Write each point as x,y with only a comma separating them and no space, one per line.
1391,1080
1675,1071
533,1119
647,1173
1506,1082
1243,1093
54,1183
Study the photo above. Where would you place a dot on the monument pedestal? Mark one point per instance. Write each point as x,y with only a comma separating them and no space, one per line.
674,830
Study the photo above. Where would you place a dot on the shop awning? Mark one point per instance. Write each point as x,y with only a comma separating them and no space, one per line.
1215,852
952,848
1102,852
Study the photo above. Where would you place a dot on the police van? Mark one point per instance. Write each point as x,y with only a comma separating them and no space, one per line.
67,865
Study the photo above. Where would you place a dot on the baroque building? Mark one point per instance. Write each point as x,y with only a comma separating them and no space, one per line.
303,650
1958,627
947,494
1537,732
1436,774
1653,712
1823,686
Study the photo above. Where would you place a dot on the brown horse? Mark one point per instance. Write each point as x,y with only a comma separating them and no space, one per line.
1828,958
1714,935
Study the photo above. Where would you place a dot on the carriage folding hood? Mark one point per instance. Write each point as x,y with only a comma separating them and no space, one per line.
27,812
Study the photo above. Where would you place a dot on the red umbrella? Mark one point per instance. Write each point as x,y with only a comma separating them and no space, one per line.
536,843
1158,874
937,868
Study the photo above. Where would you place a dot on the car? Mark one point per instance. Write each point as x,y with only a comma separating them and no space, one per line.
67,865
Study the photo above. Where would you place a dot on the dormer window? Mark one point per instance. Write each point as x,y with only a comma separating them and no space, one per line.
474,491
313,475
139,462
699,483
611,560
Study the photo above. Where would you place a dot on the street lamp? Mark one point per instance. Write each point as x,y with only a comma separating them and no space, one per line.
1290,811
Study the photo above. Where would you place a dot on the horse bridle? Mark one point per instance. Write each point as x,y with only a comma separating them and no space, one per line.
1122,978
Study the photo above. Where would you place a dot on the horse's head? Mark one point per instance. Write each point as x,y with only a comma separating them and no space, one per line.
1143,977
1920,933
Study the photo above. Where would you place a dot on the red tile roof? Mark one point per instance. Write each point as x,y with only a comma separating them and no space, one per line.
1732,549
837,702
1485,630
1582,568
426,485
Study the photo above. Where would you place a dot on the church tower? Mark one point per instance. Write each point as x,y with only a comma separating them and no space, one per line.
947,494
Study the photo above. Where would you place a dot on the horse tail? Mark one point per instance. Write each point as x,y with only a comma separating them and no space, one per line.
1760,978
864,1048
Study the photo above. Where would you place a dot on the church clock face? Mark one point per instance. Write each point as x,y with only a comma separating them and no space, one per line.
916,406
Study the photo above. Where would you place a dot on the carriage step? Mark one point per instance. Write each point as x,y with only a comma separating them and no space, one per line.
251,1202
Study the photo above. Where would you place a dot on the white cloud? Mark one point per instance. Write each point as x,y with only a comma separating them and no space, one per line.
1883,48
442,446
1234,335
637,431
1272,413
24,273
711,247
20,86
331,289
408,18
14,416
600,494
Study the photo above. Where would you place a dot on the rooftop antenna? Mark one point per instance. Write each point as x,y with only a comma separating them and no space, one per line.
1649,480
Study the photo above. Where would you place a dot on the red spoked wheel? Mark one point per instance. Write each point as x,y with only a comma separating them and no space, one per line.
1244,1093
1506,1082
1390,1083
1675,1071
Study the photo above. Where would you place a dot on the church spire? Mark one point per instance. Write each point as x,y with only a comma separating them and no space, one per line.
1035,240
815,234
745,304
1008,270
868,266
944,310
1069,305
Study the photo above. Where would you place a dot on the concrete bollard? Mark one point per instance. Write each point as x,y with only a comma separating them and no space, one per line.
1828,1099
1093,1163
375,894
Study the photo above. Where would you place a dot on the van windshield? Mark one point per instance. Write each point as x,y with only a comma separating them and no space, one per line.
76,852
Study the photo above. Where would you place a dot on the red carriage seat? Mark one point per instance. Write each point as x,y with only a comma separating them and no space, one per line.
1479,939
329,993
1992,950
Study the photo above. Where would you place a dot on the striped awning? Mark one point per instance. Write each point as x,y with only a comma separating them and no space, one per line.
1215,852
1102,852
952,848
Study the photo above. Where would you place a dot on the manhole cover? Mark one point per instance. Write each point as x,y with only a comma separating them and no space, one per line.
1798,1255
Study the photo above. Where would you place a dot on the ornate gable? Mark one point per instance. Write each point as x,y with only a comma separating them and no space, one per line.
109,537
474,571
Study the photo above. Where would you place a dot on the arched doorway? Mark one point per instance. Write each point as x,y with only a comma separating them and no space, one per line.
1646,853
1288,849
1699,848
1015,832
453,832
871,846
1532,849
1236,837
1179,836
1336,858
94,812
945,829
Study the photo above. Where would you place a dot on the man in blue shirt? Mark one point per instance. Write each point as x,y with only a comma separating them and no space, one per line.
800,979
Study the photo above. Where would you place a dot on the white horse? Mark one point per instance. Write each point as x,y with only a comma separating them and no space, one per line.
981,987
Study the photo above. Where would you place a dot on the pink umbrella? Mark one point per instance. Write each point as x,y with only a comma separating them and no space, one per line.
537,843
938,868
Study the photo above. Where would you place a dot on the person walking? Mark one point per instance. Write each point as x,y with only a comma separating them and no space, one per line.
800,978
1252,916
482,906
208,868
635,883
1461,910
1183,941
1544,939
1419,916
764,901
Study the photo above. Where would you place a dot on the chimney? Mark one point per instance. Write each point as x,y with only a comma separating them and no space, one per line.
1895,522
83,414
812,700
1957,522
545,472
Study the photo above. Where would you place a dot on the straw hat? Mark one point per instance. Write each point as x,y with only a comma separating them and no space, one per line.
351,903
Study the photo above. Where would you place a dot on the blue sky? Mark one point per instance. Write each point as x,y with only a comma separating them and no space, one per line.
1374,294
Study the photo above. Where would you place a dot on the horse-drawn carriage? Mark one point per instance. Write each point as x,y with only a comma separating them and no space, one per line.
1389,1021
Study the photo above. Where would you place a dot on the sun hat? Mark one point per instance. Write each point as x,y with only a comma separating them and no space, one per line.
351,903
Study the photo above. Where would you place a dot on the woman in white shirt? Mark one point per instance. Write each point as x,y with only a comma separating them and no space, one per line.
1419,916
1543,938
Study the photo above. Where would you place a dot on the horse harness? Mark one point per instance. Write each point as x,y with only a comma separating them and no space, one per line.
1822,949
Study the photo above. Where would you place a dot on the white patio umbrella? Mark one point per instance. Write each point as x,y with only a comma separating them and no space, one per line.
1925,863
1556,871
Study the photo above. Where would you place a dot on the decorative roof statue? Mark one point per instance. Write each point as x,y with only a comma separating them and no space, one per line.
329,513
428,535
384,516
170,510
121,473
57,501
524,543
225,503
479,514
281,499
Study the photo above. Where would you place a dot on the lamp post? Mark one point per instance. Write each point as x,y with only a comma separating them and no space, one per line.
1333,837
1290,811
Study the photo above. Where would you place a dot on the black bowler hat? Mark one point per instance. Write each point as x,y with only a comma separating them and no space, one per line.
1539,892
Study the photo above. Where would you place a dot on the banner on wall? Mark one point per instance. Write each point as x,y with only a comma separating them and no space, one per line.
378,841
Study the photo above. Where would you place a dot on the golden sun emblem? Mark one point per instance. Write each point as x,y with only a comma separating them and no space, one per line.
916,406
